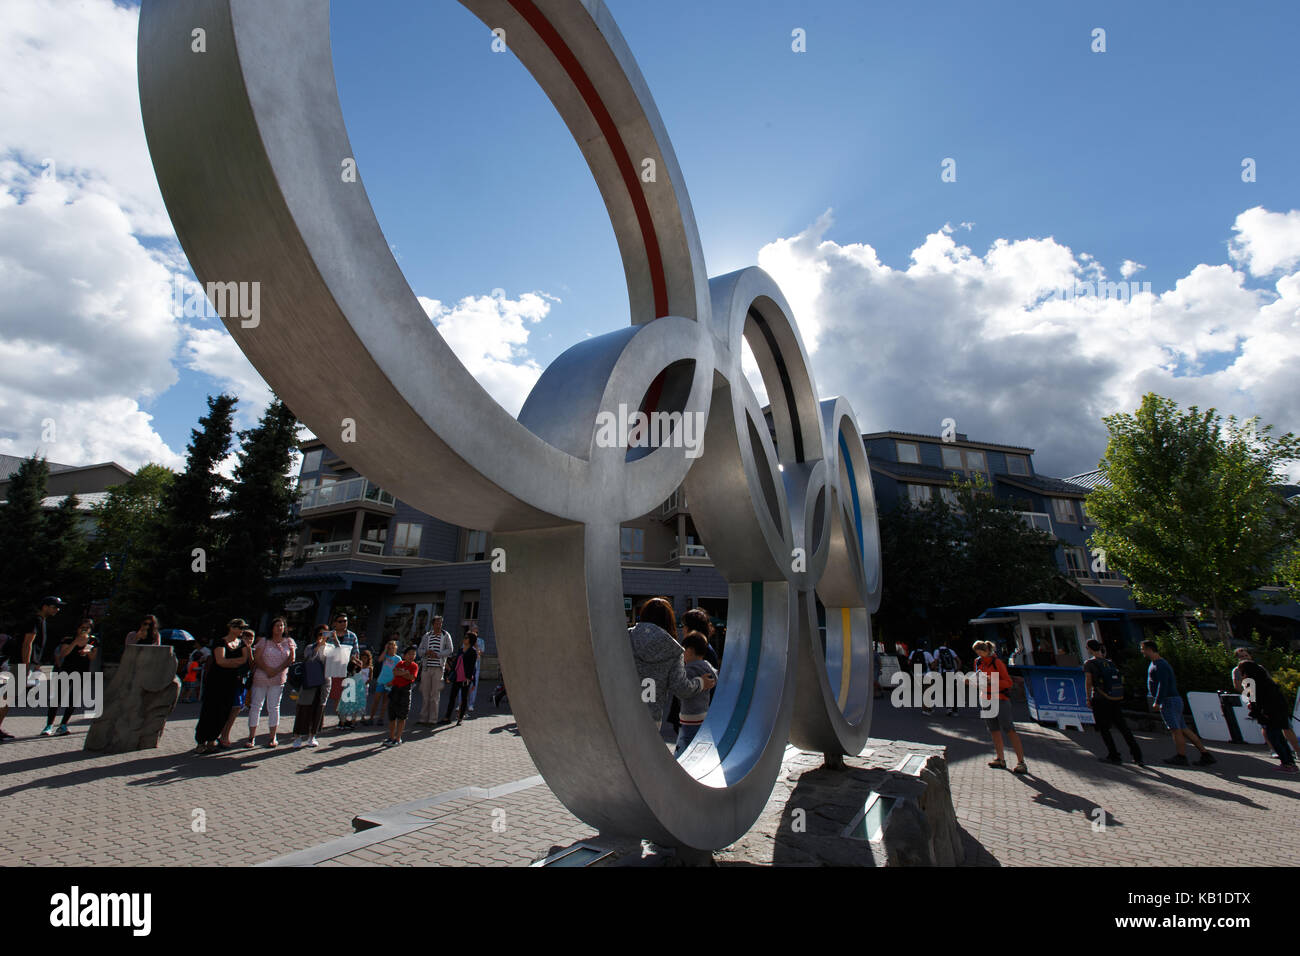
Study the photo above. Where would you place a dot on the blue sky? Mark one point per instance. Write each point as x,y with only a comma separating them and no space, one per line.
1131,154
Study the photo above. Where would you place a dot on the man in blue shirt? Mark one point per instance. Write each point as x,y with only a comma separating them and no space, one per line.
1162,688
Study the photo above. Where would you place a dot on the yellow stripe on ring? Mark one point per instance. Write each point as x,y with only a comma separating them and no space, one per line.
846,662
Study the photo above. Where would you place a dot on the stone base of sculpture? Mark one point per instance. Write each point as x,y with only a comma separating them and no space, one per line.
137,702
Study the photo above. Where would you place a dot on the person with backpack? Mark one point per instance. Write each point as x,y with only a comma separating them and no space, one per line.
924,660
1268,706
1104,689
947,661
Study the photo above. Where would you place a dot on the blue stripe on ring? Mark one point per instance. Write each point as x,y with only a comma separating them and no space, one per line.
750,681
853,487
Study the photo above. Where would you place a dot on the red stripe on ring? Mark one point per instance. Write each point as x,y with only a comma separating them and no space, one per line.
551,37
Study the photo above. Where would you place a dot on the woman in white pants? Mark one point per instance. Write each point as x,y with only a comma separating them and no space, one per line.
271,660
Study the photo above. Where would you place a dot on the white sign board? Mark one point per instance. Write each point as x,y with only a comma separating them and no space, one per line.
1207,716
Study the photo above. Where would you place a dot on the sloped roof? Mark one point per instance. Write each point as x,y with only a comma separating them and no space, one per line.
1045,485
1090,479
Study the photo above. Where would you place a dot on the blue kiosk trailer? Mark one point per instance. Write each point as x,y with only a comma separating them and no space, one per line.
1046,646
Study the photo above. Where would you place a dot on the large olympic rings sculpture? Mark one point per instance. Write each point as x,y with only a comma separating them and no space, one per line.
248,142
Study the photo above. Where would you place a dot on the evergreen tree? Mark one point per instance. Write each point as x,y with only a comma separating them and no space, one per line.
128,524
259,518
21,544
67,562
179,575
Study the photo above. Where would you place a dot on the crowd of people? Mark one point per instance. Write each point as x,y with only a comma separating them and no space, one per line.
677,664
1104,691
245,673
241,673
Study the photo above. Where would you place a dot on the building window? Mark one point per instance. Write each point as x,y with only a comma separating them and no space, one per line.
311,461
952,458
476,546
406,540
632,541
949,497
975,461
1036,520
1063,510
1076,561
918,494
1018,464
469,609
908,453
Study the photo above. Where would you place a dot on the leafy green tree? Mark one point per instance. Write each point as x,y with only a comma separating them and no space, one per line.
22,556
259,518
1192,514
179,575
944,564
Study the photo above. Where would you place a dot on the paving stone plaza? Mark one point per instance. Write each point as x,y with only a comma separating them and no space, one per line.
470,796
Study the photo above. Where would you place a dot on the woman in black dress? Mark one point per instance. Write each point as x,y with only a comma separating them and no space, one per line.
229,661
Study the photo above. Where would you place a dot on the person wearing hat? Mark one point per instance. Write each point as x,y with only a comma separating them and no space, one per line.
26,651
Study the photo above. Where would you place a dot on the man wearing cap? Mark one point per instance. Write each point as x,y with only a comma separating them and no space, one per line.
25,652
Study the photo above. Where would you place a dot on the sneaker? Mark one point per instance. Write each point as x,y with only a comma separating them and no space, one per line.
5,735
397,742
388,742
62,730
313,742
297,742
1206,759
1116,759
1177,760
953,713
1137,761
1289,768
48,731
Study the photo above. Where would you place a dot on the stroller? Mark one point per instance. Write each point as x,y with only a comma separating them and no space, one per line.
500,699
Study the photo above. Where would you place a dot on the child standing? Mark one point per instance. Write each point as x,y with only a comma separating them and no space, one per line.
399,695
694,709
387,662
352,701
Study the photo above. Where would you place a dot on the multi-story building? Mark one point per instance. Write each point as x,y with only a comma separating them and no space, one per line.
90,483
391,568
907,467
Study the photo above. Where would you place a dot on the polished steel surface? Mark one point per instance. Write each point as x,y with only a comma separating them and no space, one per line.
248,143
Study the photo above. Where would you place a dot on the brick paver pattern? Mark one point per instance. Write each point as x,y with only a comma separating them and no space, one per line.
65,806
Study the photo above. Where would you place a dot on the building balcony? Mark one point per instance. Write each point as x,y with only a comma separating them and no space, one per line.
342,494
675,503
338,549
692,551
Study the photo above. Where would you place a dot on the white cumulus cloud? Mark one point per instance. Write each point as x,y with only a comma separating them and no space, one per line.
1007,344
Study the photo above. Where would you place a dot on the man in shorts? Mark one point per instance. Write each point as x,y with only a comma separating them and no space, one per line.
1162,688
